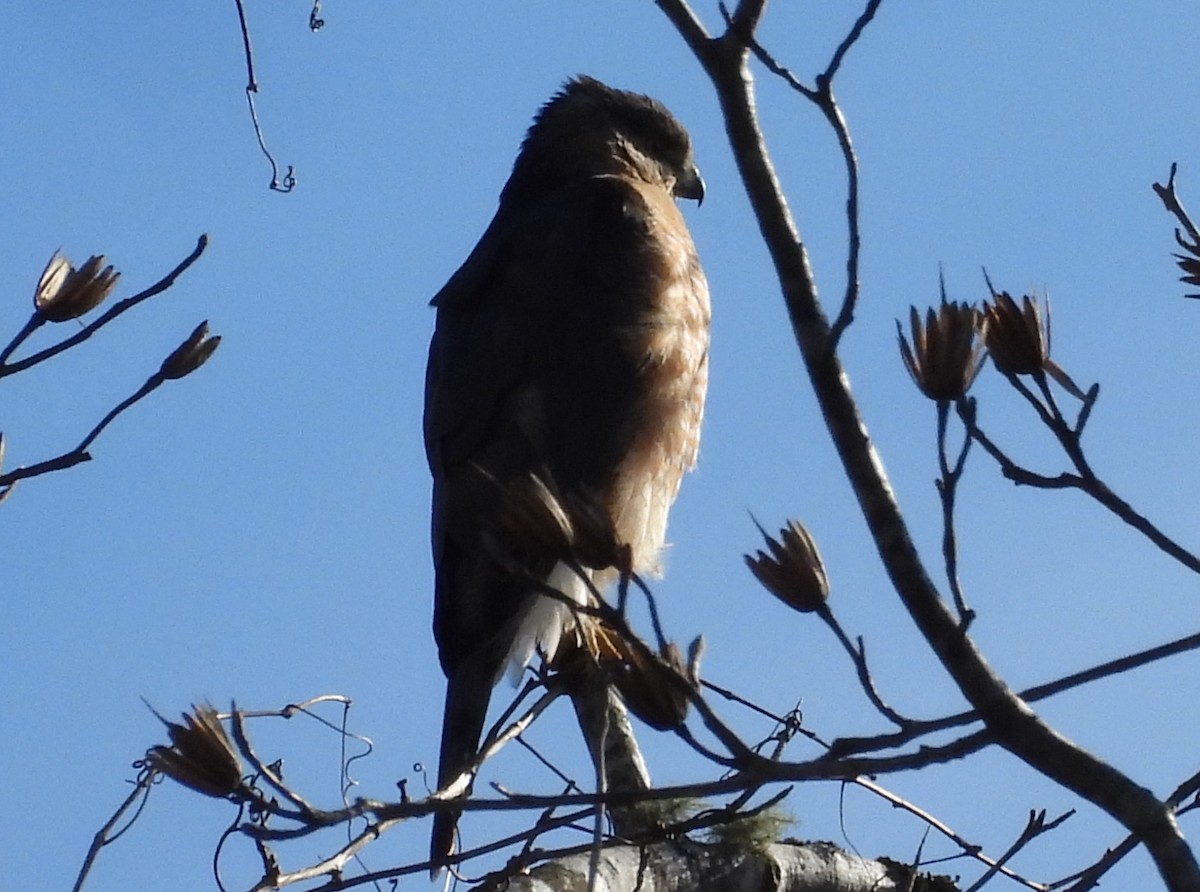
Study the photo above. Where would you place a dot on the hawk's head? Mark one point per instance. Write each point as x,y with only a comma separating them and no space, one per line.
590,129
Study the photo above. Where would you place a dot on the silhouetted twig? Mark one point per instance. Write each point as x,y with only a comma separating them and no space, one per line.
288,183
121,306
1084,479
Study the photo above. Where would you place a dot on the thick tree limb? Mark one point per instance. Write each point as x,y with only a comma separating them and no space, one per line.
786,867
1016,726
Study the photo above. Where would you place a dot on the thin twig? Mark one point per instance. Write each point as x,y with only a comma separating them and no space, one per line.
247,749
858,656
497,845
289,179
685,734
1018,474
330,866
772,64
36,320
105,834
822,96
1172,203
286,712
499,737
1085,480
568,782
80,454
1034,827
305,708
847,745
753,707
58,463
945,829
503,728
315,22
833,113
947,487
152,384
849,40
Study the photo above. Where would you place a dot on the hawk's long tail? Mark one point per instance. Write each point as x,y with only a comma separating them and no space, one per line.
468,691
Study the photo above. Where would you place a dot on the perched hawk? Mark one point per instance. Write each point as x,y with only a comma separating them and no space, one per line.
573,345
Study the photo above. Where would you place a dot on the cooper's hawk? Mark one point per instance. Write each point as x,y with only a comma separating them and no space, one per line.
572,344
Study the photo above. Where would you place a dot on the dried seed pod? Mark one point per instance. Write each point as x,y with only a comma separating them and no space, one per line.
651,686
191,354
575,526
532,516
64,292
200,756
1189,263
946,352
793,571
1017,336
594,543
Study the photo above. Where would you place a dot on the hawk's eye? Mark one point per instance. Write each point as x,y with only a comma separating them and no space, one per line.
663,148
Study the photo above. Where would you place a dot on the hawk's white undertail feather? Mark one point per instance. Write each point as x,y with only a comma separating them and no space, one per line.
546,620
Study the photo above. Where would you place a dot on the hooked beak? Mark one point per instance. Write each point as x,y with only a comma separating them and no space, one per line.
690,185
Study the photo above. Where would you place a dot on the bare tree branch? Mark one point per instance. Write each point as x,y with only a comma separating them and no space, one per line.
1084,479
846,745
1015,725
106,834
121,306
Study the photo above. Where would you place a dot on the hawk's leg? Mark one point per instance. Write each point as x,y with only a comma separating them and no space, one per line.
613,747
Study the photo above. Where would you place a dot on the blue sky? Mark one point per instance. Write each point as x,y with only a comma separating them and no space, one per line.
258,531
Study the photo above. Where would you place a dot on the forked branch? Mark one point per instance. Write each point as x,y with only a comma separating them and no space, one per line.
725,60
